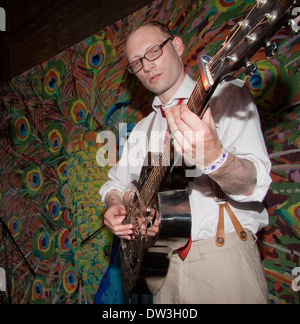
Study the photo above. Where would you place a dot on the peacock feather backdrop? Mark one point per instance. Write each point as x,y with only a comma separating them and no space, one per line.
51,171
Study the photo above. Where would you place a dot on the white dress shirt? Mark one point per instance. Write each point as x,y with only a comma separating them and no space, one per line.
239,129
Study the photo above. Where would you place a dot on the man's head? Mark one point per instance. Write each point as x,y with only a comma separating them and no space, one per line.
164,75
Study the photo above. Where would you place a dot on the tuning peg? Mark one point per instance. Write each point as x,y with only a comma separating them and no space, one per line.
250,69
295,21
271,48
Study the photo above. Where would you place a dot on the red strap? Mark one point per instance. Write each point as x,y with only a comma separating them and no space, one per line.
162,112
183,251
180,102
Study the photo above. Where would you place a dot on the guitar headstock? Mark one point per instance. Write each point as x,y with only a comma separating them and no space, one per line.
264,19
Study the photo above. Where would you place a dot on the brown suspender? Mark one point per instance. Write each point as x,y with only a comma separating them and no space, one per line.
221,200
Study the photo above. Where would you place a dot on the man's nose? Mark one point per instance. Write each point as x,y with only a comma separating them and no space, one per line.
148,65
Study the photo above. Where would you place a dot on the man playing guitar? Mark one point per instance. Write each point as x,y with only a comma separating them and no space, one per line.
234,156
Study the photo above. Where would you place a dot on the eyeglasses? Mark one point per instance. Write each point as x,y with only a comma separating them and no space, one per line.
153,54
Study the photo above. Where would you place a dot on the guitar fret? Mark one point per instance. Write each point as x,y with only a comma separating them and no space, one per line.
156,176
197,97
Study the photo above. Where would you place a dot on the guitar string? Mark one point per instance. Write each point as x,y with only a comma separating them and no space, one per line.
158,170
264,20
153,179
238,26
147,193
221,51
156,173
267,19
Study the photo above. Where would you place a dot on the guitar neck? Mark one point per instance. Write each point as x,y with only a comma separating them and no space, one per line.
158,173
200,97
247,37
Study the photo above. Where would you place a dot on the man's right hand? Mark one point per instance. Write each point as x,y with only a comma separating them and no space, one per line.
113,219
115,215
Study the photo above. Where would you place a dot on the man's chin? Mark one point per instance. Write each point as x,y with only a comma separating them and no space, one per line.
156,88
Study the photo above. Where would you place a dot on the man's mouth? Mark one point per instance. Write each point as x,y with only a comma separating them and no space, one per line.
154,78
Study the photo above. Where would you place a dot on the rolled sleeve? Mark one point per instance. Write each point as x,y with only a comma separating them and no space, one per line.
263,181
239,129
129,167
108,186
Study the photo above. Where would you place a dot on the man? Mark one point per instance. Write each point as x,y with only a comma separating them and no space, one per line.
235,157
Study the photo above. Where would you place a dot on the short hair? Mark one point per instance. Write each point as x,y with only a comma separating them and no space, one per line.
163,28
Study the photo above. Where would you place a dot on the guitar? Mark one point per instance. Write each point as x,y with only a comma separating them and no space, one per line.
145,260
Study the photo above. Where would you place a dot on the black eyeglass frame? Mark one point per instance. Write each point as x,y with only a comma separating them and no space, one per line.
160,46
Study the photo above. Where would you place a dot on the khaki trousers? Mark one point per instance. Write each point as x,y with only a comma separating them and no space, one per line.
232,274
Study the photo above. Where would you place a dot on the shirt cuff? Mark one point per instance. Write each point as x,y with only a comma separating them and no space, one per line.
263,181
107,187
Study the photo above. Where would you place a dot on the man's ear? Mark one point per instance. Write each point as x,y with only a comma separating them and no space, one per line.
178,45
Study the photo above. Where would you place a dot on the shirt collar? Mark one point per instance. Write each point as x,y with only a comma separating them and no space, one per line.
184,92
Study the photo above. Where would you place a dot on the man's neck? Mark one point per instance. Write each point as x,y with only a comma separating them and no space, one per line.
167,95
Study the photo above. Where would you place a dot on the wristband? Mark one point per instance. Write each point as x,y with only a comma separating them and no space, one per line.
217,164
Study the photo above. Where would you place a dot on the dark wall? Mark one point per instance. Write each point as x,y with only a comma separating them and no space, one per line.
38,30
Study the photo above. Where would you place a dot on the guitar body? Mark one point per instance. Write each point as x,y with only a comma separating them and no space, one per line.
145,260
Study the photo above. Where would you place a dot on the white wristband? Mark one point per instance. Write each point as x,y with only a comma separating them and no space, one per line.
217,164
